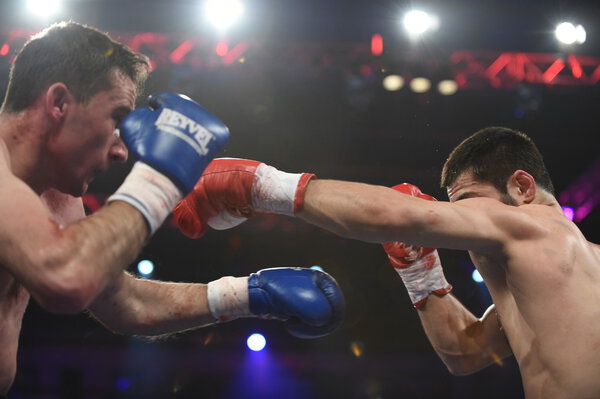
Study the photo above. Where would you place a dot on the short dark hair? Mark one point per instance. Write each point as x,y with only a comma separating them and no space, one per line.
492,155
80,56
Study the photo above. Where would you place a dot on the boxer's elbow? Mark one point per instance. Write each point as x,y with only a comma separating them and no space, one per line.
63,277
130,328
462,366
65,287
458,370
119,320
66,294
113,322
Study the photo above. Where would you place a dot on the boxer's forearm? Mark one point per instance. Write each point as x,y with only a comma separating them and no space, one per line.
309,301
144,307
361,211
465,343
237,189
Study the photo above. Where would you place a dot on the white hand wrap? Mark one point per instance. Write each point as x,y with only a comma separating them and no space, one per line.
274,191
150,192
423,277
225,220
228,298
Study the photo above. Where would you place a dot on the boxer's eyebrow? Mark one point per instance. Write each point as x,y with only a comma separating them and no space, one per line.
121,112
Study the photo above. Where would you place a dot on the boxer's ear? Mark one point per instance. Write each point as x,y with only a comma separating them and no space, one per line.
522,185
57,99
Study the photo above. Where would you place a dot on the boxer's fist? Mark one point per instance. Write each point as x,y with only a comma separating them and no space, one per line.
413,191
223,192
420,268
310,301
174,139
400,254
232,189
175,136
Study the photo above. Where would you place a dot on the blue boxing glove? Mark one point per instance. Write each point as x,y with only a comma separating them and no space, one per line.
175,136
174,139
310,302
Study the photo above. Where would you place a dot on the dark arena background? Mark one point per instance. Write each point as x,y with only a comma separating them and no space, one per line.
339,88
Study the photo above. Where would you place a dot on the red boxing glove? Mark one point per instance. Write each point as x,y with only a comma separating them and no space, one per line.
232,190
419,267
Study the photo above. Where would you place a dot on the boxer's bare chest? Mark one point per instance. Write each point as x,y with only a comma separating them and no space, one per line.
13,302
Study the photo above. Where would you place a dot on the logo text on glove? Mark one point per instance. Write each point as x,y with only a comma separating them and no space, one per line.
175,122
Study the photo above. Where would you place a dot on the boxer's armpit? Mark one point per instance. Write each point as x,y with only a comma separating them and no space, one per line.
500,326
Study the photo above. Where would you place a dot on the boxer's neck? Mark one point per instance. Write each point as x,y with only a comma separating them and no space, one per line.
24,135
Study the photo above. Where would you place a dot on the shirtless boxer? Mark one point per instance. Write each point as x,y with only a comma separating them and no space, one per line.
66,117
543,275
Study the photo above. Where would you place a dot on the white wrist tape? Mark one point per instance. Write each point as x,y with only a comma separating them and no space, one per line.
423,277
228,298
225,220
274,191
150,192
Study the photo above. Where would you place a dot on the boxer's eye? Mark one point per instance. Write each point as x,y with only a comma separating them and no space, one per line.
119,114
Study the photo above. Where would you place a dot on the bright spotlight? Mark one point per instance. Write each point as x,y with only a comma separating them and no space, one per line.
420,85
447,87
256,342
43,8
145,268
581,34
567,33
223,13
417,22
393,82
476,276
569,212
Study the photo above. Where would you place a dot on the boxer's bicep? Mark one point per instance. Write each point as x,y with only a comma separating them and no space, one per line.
484,344
26,224
62,267
482,225
493,333
487,345
445,225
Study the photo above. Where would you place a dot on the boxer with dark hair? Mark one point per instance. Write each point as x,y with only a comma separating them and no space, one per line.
543,275
68,114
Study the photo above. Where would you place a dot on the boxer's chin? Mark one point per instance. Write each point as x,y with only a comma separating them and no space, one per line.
73,188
